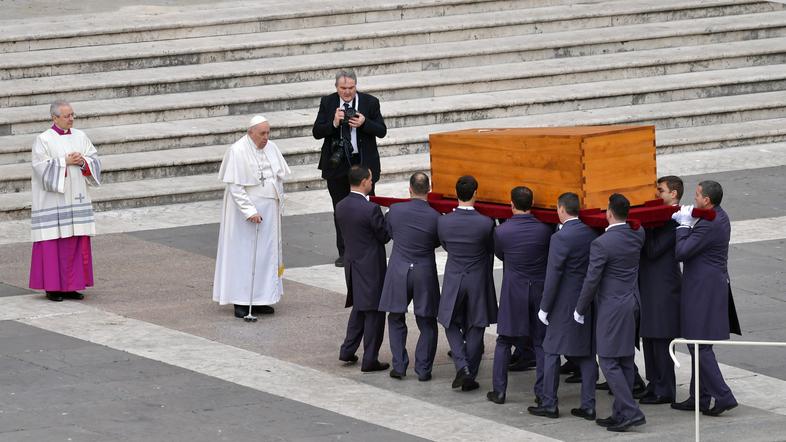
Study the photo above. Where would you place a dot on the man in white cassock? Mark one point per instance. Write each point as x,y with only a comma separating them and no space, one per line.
65,163
254,171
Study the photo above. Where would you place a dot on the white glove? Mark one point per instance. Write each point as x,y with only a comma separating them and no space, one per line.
684,216
577,317
542,316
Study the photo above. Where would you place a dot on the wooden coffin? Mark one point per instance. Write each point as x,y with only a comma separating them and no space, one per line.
592,161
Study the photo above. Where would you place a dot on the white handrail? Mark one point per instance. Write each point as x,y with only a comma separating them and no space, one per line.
696,343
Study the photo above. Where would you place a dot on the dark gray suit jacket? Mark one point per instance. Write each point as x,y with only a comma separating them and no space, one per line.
363,227
522,243
413,227
612,280
468,238
565,272
660,283
707,306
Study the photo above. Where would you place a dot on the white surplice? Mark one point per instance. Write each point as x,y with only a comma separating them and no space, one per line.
254,185
61,205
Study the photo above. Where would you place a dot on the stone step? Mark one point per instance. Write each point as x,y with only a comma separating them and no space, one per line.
389,87
370,64
404,141
653,91
149,23
198,187
422,31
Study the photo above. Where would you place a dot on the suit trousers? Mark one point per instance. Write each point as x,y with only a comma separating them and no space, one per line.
426,347
368,326
502,359
659,367
589,377
339,189
619,374
711,383
466,341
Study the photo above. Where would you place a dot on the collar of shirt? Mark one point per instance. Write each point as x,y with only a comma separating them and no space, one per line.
364,196
567,221
614,225
61,131
353,103
465,208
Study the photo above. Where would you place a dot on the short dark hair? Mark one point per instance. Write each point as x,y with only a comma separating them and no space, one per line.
673,183
619,206
419,183
357,174
466,187
521,197
712,190
570,202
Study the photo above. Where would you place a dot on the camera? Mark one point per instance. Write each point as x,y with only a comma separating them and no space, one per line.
349,113
338,156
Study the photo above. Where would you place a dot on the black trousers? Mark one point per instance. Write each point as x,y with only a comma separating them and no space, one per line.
339,189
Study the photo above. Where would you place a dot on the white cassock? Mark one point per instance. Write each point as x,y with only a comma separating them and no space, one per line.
254,184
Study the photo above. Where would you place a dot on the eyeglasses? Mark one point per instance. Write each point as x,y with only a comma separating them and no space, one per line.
66,116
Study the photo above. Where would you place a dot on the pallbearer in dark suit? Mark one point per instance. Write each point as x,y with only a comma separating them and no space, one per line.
612,283
660,281
468,303
365,237
412,275
707,308
522,243
565,271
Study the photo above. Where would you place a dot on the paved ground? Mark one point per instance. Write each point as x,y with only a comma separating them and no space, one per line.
148,356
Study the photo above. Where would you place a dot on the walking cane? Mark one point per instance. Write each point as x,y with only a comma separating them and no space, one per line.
249,317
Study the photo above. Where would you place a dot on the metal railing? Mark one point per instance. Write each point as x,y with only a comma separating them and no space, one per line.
696,343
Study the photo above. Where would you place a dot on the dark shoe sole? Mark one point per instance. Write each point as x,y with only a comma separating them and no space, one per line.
714,411
617,429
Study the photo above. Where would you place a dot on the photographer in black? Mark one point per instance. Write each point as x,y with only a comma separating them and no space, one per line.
350,123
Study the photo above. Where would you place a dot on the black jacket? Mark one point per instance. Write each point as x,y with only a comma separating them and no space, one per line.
373,128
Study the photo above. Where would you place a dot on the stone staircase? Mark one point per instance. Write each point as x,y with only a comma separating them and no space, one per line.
163,93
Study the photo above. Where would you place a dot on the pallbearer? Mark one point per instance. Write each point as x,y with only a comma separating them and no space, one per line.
65,163
565,271
660,281
611,285
468,303
522,243
412,276
707,307
253,171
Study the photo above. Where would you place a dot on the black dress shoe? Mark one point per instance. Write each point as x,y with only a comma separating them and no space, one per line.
54,296
552,413
639,391
241,310
263,309
626,424
521,365
602,386
375,366
450,354
652,399
461,375
585,413
496,397
469,385
348,359
425,377
396,375
73,295
339,261
606,421
575,378
687,405
568,368
717,410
